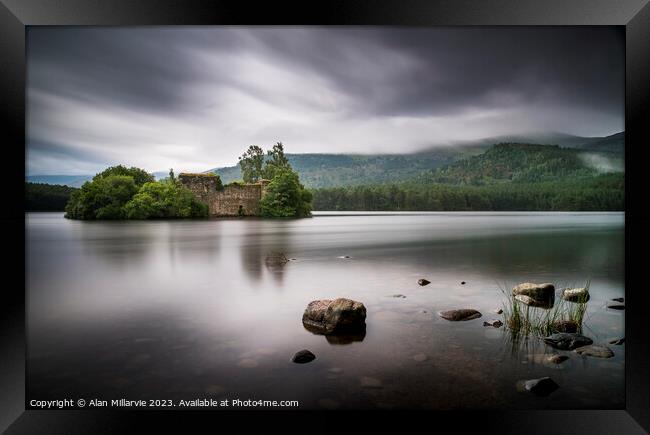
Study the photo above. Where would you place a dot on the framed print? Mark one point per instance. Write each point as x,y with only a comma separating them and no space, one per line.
361,209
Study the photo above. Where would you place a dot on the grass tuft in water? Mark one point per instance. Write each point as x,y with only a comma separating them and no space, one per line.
523,320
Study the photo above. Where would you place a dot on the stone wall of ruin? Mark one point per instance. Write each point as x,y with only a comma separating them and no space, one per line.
228,200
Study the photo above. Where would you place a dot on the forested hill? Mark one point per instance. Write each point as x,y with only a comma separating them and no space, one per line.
332,170
508,176
514,162
327,170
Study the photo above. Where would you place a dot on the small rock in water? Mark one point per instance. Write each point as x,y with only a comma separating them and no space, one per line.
463,283
567,341
595,351
616,306
344,256
423,282
276,259
368,382
619,299
420,357
618,342
497,311
556,359
541,387
493,323
303,356
462,314
398,296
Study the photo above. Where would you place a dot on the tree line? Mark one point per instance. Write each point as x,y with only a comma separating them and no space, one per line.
601,193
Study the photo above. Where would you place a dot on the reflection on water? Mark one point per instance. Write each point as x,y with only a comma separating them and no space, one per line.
187,309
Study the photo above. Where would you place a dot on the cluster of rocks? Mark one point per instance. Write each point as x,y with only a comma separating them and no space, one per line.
339,318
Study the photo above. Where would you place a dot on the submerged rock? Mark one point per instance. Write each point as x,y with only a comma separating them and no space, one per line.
565,326
595,351
618,342
550,360
420,357
535,291
567,341
616,306
494,323
303,356
423,282
276,259
540,387
497,311
400,296
462,314
332,316
575,294
619,299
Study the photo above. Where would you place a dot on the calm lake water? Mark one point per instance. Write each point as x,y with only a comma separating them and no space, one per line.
189,309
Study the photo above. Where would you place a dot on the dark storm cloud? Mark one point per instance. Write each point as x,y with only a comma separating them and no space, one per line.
196,96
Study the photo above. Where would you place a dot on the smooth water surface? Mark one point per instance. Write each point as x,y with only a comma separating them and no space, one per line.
190,309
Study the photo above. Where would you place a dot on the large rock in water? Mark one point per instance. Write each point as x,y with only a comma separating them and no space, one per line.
567,341
332,316
576,294
462,314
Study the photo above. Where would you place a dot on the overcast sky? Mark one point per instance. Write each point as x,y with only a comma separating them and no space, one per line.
193,98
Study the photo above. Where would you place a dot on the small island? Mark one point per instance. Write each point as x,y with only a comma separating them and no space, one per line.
270,188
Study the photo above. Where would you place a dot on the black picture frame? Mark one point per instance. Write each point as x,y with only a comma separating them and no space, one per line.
15,15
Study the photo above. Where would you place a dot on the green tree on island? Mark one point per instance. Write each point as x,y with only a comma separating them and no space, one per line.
276,161
132,193
285,196
251,164
140,176
164,199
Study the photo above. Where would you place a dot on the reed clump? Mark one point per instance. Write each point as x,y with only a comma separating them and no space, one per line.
524,320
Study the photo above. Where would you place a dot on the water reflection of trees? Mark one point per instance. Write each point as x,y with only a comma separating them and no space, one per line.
589,252
120,244
263,242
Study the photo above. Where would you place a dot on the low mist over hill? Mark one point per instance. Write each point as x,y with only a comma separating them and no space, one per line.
600,154
332,170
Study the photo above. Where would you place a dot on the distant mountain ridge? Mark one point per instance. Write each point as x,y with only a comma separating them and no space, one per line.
318,170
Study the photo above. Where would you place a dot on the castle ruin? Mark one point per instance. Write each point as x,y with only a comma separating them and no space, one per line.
231,200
